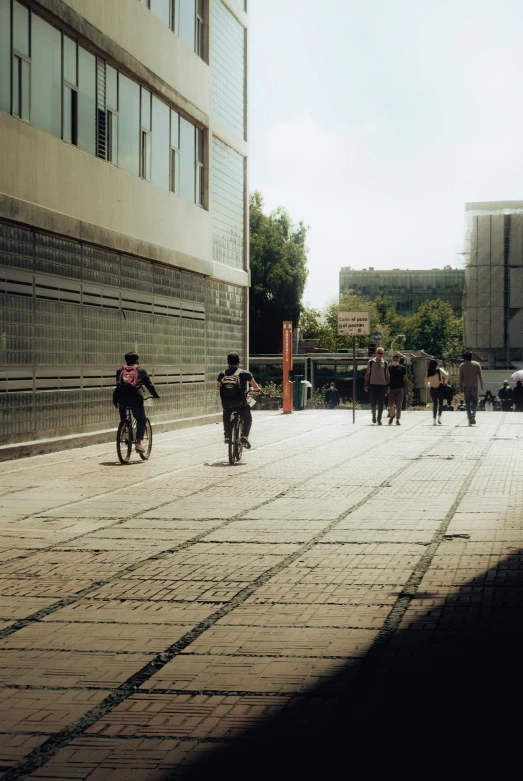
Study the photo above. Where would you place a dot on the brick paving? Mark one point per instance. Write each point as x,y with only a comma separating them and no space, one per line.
335,585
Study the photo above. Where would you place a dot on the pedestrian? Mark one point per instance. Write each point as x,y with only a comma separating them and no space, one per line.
488,401
398,386
436,380
376,380
517,396
332,397
505,396
469,378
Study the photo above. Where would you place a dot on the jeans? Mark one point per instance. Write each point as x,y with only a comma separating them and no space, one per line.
377,399
437,401
396,399
135,402
471,402
246,415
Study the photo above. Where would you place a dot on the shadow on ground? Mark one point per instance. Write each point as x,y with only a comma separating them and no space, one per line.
442,695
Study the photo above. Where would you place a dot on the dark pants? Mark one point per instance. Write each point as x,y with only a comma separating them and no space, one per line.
135,402
377,399
437,401
471,402
506,405
246,415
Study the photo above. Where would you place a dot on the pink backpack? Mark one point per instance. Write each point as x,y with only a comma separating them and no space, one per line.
128,379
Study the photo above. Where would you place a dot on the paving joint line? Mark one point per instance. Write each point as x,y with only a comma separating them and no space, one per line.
39,756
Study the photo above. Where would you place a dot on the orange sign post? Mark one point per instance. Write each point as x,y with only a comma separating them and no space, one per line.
287,366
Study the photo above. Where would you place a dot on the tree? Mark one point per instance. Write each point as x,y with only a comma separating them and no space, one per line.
436,329
278,261
350,302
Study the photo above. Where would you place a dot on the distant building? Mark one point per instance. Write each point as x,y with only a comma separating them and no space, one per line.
493,297
405,289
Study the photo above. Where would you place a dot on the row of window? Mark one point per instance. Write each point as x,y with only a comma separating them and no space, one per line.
48,80
183,17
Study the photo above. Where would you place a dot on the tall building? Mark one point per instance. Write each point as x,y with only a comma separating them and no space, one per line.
493,298
405,289
123,219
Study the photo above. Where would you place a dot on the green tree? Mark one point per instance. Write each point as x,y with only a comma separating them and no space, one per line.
436,329
278,261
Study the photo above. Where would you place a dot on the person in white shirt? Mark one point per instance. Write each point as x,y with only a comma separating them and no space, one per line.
437,378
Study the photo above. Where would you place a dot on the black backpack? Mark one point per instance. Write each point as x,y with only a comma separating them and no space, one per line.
230,390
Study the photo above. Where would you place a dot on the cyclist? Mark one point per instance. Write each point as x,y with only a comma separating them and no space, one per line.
130,380
233,385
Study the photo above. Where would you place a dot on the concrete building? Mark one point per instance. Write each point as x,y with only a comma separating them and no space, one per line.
404,288
123,219
493,297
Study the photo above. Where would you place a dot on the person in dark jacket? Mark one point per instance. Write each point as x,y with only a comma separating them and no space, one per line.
505,395
517,396
130,379
332,397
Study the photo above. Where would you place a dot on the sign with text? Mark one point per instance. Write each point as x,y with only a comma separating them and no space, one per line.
353,324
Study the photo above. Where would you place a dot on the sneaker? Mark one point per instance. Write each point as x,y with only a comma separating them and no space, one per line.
139,448
374,418
398,423
434,422
245,442
390,420
380,423
474,420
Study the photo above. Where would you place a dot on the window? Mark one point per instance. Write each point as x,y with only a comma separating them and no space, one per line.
145,135
199,43
160,144
129,125
5,55
111,101
46,76
162,9
70,132
21,73
175,153
86,101
200,179
187,160
187,22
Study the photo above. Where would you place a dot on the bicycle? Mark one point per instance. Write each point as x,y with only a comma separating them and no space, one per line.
126,437
235,441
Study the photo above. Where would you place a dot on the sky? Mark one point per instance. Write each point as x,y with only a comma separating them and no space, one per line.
375,121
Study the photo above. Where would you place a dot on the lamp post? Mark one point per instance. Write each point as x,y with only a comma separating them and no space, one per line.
399,336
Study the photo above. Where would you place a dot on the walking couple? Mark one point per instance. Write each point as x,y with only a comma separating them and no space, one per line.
381,378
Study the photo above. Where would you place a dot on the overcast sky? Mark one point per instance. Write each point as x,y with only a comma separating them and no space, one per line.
374,121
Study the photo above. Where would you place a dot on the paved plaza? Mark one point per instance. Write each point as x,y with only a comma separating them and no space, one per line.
346,594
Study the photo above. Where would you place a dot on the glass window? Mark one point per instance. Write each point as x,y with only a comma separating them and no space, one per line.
160,144
87,101
187,160
129,125
175,130
46,76
146,155
162,9
111,88
21,88
5,56
70,61
200,181
146,109
199,28
70,115
187,22
20,28
112,137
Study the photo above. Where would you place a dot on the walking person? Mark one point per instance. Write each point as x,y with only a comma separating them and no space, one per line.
376,380
517,396
505,396
437,378
332,397
398,386
469,378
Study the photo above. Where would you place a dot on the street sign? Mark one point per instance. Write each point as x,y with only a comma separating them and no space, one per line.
376,336
353,324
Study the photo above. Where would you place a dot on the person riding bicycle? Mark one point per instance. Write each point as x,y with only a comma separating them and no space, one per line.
233,384
130,379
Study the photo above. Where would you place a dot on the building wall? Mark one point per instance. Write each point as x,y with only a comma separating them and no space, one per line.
130,239
405,289
493,295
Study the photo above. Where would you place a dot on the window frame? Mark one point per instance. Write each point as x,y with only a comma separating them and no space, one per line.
67,85
17,58
145,138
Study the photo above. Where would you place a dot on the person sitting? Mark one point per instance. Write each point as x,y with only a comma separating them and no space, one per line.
130,379
488,402
332,397
505,395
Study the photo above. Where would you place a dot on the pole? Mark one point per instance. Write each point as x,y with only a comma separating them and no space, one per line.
287,366
353,380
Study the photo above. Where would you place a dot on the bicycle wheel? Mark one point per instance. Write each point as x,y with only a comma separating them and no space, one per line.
124,444
238,447
147,441
231,440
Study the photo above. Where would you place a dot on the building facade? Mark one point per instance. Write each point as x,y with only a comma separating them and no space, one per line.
493,297
123,205
405,289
